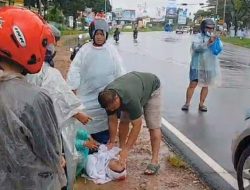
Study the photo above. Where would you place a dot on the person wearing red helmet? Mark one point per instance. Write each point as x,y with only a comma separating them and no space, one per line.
30,138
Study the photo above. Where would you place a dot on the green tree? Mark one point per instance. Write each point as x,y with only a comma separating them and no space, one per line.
240,10
69,7
72,8
99,5
201,14
54,14
234,10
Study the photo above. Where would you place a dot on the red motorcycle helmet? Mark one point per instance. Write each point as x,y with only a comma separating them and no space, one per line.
24,37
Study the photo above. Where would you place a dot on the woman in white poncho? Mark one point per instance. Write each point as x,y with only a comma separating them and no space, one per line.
95,65
204,67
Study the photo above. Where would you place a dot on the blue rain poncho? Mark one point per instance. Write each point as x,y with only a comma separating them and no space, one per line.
204,64
91,70
30,145
66,105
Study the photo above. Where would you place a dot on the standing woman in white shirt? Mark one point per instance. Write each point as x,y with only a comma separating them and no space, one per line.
96,64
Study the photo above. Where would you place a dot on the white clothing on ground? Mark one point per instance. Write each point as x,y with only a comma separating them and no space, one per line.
97,165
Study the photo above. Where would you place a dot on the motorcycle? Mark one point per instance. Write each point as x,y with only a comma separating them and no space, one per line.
135,35
76,48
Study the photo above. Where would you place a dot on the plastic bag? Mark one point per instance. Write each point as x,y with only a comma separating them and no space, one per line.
216,47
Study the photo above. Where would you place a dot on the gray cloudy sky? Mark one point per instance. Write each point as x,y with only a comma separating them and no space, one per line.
153,4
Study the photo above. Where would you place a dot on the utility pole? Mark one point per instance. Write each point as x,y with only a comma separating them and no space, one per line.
105,6
216,8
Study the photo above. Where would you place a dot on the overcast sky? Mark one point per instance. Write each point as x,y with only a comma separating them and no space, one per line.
153,4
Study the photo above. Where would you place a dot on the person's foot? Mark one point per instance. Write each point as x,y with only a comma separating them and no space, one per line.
203,108
185,107
152,169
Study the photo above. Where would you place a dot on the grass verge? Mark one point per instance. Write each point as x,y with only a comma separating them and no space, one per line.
237,41
176,161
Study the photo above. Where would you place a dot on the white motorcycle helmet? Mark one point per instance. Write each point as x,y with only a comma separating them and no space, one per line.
101,24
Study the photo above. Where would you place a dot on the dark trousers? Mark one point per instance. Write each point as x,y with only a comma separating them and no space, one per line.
101,137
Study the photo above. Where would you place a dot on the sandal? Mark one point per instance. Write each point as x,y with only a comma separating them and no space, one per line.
152,169
203,108
185,107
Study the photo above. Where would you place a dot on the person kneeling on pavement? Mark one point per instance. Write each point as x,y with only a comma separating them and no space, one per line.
133,94
102,166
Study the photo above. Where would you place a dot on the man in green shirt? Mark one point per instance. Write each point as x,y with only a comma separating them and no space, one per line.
134,94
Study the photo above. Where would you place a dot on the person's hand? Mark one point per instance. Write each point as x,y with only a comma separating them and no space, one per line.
91,144
123,157
83,118
110,145
212,39
62,162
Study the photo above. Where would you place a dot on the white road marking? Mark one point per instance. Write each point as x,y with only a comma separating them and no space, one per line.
208,160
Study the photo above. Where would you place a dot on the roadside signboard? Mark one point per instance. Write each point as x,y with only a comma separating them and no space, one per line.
182,17
171,9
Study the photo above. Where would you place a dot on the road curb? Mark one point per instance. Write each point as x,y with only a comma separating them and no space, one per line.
207,174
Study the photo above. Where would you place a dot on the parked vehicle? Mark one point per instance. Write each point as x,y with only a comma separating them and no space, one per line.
179,30
186,29
196,29
241,156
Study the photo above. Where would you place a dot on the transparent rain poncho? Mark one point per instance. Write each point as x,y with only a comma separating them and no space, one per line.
91,71
30,145
66,105
204,63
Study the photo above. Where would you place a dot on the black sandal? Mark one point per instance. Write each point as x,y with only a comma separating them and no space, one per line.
185,107
203,108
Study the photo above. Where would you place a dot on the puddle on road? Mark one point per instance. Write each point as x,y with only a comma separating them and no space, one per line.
235,67
170,39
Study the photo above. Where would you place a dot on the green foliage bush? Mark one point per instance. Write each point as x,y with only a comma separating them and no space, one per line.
55,15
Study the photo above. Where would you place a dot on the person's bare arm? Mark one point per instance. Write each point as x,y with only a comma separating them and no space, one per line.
113,124
82,117
133,135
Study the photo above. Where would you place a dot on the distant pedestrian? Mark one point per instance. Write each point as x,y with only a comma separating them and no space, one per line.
135,33
191,30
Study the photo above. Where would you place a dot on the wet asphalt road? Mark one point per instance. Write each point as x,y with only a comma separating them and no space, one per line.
168,56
